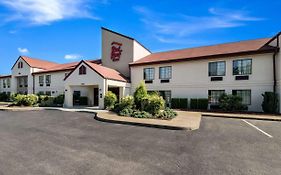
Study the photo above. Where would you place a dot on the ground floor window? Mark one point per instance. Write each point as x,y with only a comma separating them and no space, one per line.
167,95
214,96
244,94
48,93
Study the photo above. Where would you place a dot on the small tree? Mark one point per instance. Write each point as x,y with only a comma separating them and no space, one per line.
109,100
231,103
139,94
152,104
270,102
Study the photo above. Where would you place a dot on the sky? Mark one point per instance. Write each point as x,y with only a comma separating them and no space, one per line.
70,30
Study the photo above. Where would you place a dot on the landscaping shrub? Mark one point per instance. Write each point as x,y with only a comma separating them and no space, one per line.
4,96
152,104
139,94
126,112
166,114
179,103
109,100
199,103
59,100
25,100
202,103
47,101
270,102
126,102
83,100
231,103
141,114
193,103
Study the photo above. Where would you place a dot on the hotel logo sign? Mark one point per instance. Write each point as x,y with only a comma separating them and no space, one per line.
116,51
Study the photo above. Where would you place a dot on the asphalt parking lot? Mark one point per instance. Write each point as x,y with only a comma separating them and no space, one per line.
55,142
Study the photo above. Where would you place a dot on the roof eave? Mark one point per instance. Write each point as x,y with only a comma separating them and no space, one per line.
272,50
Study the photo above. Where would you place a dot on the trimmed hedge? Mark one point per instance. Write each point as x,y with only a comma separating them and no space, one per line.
4,96
199,103
270,102
83,100
179,103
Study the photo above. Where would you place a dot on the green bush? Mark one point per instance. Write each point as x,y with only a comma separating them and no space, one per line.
202,103
141,114
231,103
4,96
126,102
59,100
270,102
179,103
126,112
152,104
199,103
140,93
47,101
83,100
166,114
109,100
25,100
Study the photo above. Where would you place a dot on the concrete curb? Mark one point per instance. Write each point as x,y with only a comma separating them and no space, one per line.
240,117
97,117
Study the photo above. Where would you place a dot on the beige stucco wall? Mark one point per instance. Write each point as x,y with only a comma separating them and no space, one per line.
75,81
131,51
57,83
190,79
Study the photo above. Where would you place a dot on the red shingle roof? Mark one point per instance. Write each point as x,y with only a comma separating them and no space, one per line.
65,67
38,63
106,72
206,51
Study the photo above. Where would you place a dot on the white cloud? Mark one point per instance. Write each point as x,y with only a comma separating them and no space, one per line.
23,50
72,56
175,28
42,12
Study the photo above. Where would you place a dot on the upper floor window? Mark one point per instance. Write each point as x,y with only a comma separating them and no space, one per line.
244,94
48,80
217,68
242,67
20,65
165,73
148,74
41,80
82,70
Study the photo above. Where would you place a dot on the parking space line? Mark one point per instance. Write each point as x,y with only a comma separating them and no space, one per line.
257,128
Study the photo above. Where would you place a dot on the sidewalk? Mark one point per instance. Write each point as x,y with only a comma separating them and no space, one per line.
184,120
243,116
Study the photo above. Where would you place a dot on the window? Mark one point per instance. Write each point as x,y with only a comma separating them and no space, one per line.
20,81
8,82
167,96
214,96
4,83
165,73
242,67
48,80
244,94
148,74
82,70
41,80
48,93
20,65
25,81
217,68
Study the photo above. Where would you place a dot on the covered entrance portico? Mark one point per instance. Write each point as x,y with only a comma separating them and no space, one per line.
88,89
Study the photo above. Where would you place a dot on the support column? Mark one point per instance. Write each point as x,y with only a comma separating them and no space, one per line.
68,99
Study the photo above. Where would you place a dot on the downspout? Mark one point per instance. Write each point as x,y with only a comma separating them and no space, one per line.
274,72
33,88
274,65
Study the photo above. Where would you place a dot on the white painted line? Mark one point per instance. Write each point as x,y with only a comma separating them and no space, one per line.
257,128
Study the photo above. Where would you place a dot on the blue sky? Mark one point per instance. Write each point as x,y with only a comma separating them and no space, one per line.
69,30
